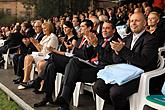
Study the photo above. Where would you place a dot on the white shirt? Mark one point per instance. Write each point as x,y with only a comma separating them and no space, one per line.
135,38
37,35
49,41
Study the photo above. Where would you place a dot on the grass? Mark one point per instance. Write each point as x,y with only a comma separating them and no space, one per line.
6,104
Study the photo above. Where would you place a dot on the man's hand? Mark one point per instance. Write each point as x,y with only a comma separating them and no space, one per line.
117,46
34,41
92,39
26,41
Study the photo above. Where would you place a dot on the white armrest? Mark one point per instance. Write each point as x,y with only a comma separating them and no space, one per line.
161,49
145,78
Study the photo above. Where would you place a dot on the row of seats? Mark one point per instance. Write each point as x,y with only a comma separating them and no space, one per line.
137,100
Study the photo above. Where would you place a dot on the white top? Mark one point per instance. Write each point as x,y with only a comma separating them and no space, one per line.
49,41
135,38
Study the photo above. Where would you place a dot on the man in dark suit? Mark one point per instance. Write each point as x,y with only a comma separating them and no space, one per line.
78,71
139,49
13,40
26,48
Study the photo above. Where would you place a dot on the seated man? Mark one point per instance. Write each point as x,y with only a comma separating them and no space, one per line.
13,40
78,71
26,48
139,49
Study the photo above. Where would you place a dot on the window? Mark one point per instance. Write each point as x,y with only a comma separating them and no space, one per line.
8,11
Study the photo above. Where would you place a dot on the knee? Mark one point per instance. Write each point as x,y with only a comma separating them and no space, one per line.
74,61
115,93
28,58
98,86
41,64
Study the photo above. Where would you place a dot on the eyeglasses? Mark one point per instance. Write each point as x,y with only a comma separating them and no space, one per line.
36,26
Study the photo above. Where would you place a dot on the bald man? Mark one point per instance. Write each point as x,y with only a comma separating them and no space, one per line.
139,49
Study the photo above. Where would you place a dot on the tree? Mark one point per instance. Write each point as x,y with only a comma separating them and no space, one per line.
28,5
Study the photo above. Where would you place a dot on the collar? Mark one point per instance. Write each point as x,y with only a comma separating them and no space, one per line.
139,34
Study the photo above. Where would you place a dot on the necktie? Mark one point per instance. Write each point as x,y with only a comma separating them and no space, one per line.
105,43
82,42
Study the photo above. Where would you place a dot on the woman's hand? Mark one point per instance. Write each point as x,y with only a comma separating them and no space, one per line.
32,40
61,39
50,49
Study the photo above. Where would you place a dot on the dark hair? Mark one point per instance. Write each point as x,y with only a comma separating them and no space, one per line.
78,19
17,28
109,21
70,25
88,23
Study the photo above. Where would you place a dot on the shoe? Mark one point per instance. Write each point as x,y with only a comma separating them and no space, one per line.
21,87
63,108
36,91
63,104
29,84
17,81
43,103
2,61
40,104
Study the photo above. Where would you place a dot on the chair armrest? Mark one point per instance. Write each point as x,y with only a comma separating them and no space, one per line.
15,47
161,49
145,78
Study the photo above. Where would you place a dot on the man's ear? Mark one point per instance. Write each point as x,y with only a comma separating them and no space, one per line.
114,30
89,28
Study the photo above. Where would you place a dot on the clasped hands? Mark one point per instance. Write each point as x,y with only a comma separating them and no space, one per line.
92,39
117,45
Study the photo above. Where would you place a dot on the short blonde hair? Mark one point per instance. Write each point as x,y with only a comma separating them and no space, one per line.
155,13
49,25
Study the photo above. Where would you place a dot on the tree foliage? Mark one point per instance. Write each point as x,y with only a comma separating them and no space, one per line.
48,8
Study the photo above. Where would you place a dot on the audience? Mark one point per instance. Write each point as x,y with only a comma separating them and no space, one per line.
139,49
49,40
58,62
26,48
86,42
79,71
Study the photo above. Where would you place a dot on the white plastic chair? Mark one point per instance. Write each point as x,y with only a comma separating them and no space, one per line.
79,89
138,100
156,105
32,73
9,57
58,83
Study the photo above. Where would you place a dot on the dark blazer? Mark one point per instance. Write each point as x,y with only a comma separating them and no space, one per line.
31,46
144,53
14,39
160,35
105,55
39,37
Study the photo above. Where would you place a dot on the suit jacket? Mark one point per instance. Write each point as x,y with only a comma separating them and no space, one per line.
14,39
40,36
105,55
31,46
144,53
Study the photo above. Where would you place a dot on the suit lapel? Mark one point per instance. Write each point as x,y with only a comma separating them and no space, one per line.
139,40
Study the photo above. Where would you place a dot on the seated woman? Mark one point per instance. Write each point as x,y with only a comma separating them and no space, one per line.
68,42
49,40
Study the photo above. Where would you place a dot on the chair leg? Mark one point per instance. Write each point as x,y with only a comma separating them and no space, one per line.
32,74
58,83
76,94
99,103
6,60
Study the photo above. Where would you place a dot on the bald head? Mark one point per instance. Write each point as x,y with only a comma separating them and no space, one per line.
137,22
